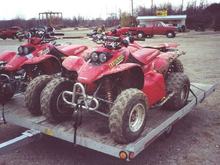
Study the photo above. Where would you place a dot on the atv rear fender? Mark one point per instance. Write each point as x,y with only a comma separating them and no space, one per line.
73,49
162,62
154,87
7,56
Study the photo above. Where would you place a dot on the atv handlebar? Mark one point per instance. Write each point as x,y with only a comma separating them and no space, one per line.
112,42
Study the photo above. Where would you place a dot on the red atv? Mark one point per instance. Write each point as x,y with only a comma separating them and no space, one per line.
117,83
36,57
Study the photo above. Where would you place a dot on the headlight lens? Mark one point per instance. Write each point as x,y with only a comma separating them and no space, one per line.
20,50
94,57
102,57
25,50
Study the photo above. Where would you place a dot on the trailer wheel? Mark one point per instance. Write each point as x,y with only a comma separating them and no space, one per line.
33,91
171,34
175,66
128,115
52,104
179,84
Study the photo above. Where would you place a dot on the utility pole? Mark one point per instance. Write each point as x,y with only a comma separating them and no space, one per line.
182,7
152,5
132,12
132,8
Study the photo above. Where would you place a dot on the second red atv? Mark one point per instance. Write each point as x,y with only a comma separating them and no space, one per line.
119,84
36,57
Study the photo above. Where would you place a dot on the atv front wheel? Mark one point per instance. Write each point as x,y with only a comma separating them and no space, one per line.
179,85
33,92
52,104
128,115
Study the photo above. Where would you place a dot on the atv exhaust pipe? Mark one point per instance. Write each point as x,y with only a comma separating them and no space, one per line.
89,102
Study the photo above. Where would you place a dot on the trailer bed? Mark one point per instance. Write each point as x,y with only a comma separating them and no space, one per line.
93,133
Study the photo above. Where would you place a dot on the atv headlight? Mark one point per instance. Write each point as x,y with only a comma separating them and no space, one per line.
102,57
25,50
94,57
20,50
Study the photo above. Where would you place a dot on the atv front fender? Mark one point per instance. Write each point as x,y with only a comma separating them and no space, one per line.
73,63
39,59
131,75
119,68
48,64
7,56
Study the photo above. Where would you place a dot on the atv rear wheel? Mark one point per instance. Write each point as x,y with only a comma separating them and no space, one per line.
175,66
33,92
128,115
179,84
52,104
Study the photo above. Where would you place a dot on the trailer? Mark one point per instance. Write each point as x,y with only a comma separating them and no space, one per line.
95,135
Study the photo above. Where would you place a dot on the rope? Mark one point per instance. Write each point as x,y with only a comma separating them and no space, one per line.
77,119
3,114
194,95
200,90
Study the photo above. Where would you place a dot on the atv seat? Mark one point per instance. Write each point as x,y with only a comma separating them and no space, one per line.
68,50
145,55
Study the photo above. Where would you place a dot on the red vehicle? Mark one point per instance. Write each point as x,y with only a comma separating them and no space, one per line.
10,32
120,81
148,30
37,56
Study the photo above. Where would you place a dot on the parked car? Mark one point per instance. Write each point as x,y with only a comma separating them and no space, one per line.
10,32
147,30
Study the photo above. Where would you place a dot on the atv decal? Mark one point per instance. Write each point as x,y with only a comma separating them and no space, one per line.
117,61
43,52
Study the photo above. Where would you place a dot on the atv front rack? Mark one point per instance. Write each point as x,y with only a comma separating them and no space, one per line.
93,133
88,102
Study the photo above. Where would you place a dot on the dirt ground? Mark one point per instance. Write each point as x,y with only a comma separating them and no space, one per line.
195,139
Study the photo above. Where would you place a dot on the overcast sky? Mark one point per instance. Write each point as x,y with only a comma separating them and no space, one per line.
88,8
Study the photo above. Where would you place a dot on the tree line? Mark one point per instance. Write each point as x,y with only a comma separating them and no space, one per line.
202,14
